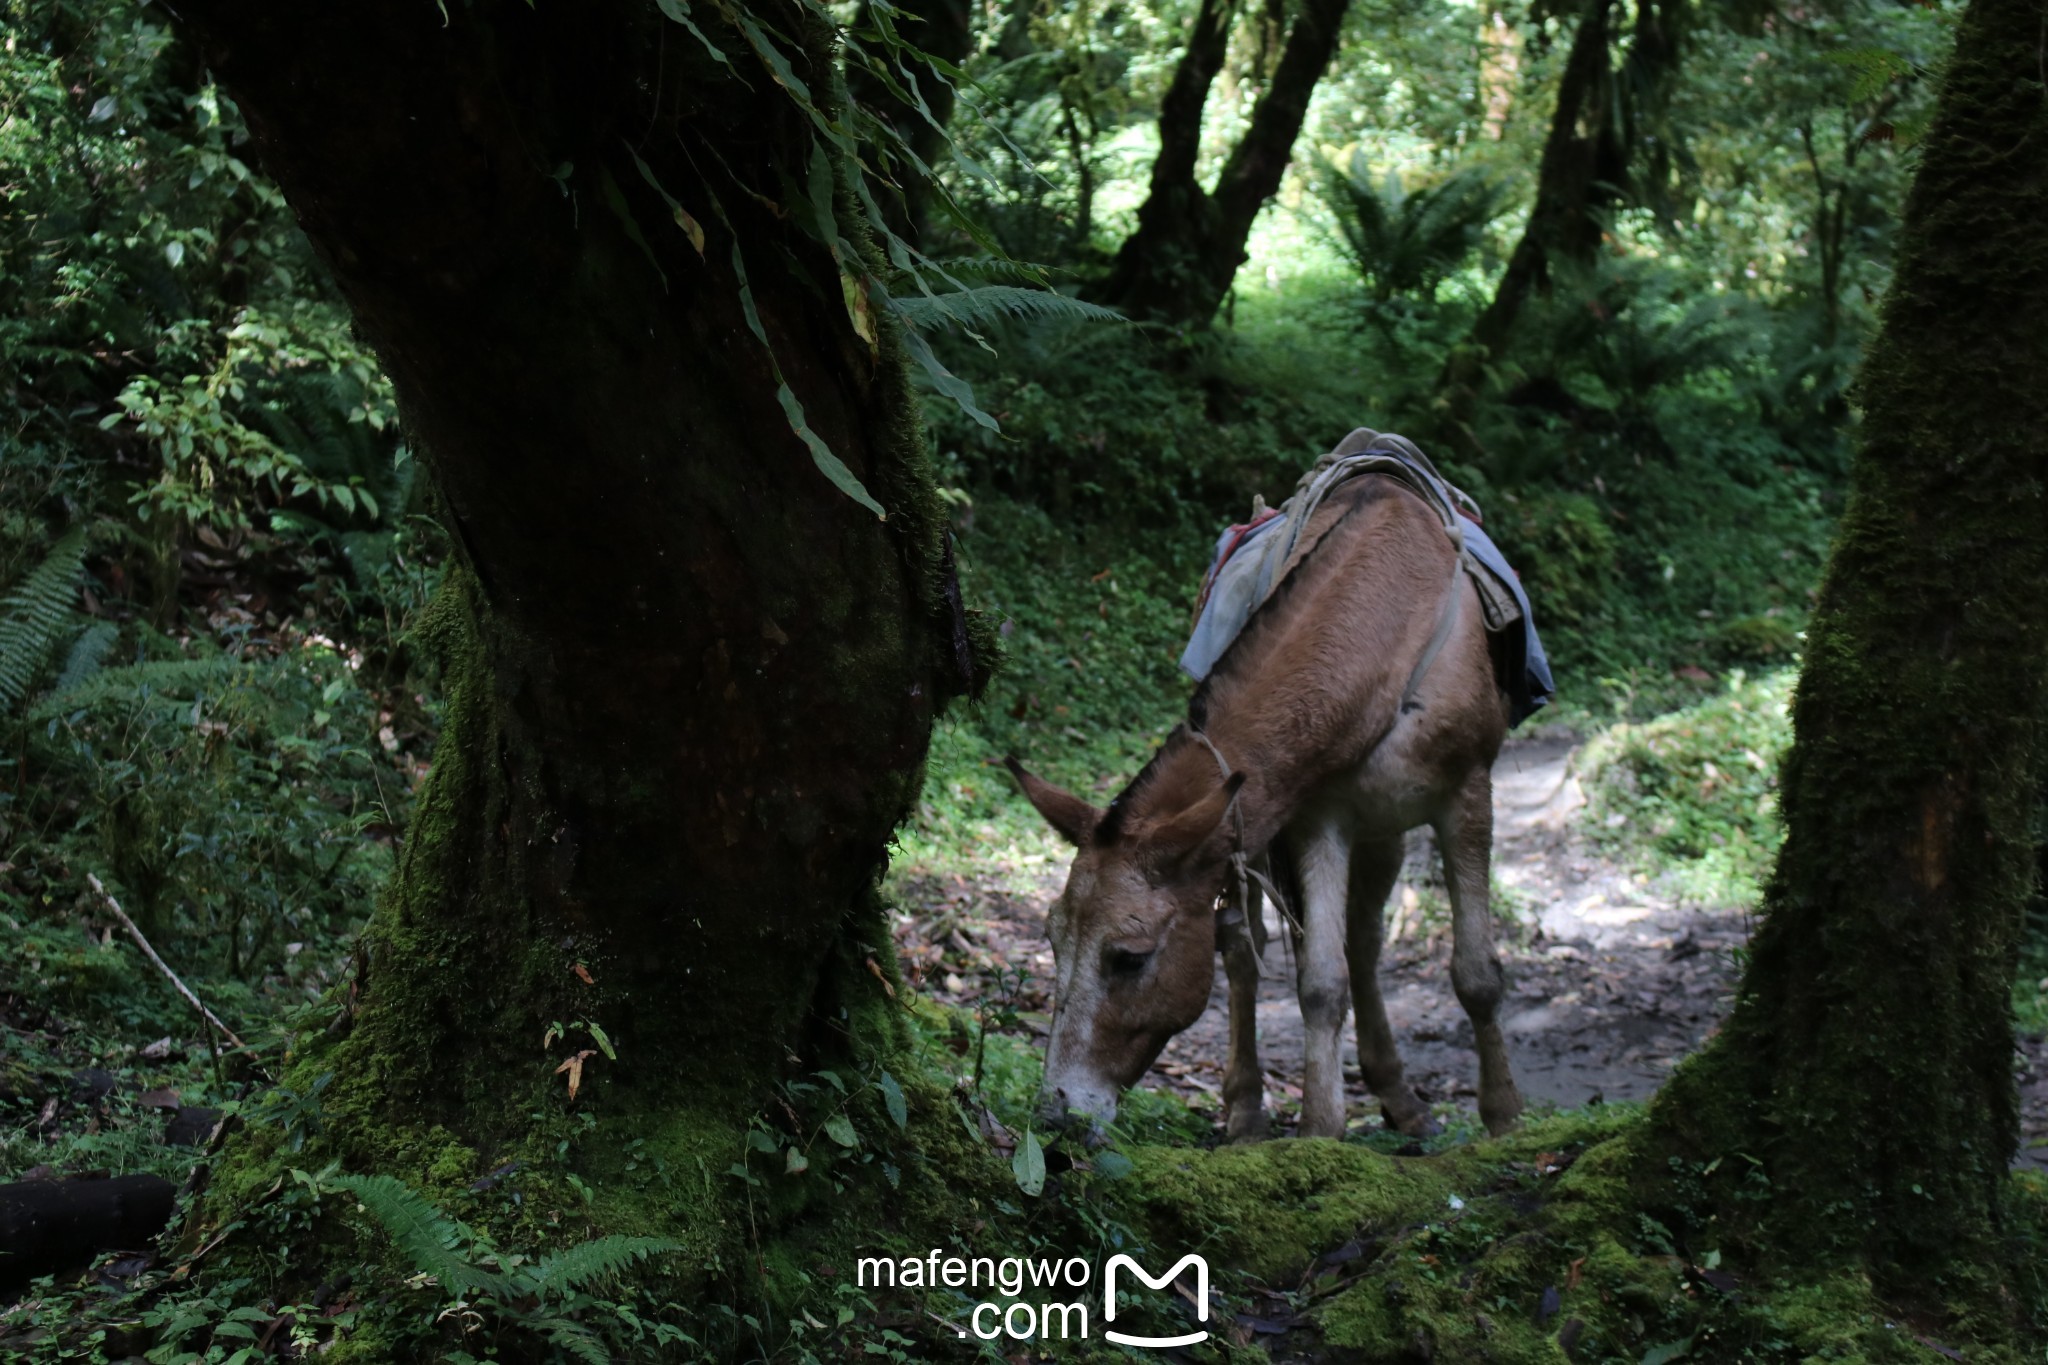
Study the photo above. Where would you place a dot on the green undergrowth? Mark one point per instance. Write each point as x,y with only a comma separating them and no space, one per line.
1692,796
1535,1247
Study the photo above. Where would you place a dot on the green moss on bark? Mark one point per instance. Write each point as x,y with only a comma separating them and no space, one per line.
1859,1107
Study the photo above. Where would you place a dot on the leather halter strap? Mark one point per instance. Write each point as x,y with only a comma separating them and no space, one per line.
1242,872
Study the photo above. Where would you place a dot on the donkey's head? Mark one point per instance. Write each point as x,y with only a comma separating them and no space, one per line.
1133,933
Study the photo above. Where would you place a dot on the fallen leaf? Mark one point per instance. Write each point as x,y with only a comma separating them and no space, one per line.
583,974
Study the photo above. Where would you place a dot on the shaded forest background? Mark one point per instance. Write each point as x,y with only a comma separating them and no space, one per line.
219,684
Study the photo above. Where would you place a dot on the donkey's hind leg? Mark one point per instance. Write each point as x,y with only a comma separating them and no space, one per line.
1375,866
1465,834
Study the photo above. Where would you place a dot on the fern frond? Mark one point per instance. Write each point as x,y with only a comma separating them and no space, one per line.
36,615
576,1339
169,678
426,1235
994,268
985,304
595,1260
87,655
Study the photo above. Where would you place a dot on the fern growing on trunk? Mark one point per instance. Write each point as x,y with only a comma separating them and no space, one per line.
531,1296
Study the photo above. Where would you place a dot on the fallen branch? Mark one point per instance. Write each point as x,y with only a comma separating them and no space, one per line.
107,898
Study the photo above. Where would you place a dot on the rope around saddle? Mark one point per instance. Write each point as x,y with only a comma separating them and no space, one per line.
1407,465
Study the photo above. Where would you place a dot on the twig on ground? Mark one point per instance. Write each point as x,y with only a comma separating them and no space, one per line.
108,900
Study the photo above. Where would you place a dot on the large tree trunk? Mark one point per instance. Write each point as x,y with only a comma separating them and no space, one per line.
1179,263
1868,1063
690,682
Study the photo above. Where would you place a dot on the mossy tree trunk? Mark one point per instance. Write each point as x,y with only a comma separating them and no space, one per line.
690,681
1178,264
1868,1062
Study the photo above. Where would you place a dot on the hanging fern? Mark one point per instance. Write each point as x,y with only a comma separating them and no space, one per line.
991,303
993,269
37,615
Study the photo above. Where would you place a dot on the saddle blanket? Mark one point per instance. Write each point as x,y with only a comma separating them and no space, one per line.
1249,557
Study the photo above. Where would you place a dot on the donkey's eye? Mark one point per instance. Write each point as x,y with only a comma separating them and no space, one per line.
1125,961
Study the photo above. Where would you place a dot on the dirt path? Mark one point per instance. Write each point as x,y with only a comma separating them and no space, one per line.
1611,981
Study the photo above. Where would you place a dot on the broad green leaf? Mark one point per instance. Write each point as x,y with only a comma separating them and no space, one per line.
892,1100
1028,1165
679,11
840,1129
830,465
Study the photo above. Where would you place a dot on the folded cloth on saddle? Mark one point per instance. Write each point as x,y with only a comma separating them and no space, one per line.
1249,558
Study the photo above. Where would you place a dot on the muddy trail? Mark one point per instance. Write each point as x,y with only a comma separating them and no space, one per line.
1611,979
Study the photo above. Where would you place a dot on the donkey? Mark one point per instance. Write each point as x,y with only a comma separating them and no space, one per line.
1359,702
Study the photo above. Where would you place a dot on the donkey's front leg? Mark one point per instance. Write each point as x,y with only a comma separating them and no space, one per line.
1375,867
1322,976
1465,833
1244,1084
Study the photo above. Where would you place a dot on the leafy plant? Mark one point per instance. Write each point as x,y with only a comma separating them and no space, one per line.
1405,242
542,1296
36,616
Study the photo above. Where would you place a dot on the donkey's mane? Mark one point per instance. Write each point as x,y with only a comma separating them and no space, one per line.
1361,492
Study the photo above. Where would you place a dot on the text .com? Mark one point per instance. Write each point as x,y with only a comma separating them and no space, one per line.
1044,1320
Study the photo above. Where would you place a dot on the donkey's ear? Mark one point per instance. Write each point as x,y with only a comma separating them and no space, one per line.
1178,836
1071,818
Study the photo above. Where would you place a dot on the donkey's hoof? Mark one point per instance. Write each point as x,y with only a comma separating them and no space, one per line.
1415,1123
1501,1118
1240,1130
